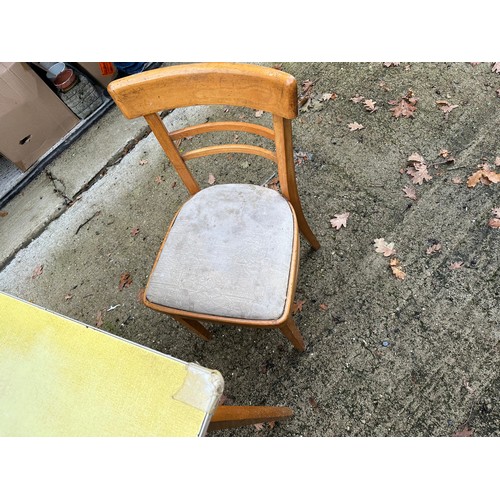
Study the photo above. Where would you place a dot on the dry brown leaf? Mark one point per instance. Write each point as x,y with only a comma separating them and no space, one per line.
297,306
456,265
394,262
496,67
495,223
339,220
307,86
405,107
370,105
211,179
125,281
37,271
446,107
398,272
159,179
456,180
259,113
329,96
444,153
483,175
497,161
433,249
68,296
381,246
391,64
465,432
3,213
419,173
416,158
259,426
357,98
323,307
410,192
99,319
134,231
355,126
143,162
496,212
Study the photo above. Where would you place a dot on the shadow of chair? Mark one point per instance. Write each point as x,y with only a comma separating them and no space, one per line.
231,253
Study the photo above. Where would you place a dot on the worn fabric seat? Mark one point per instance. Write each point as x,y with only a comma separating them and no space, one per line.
228,253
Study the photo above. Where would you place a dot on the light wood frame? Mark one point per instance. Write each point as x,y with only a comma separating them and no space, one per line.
146,94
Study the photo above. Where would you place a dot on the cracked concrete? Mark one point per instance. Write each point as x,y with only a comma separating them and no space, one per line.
71,173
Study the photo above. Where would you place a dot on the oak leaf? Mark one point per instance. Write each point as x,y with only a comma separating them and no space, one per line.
496,67
125,281
355,126
357,98
68,296
456,180
339,220
134,231
370,105
381,246
398,272
419,173
297,306
259,113
99,319
159,179
433,249
446,107
405,107
329,96
497,161
410,192
495,223
211,179
307,86
483,175
323,307
3,213
465,432
416,158
456,265
37,271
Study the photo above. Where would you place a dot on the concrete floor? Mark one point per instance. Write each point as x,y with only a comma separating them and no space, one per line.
385,356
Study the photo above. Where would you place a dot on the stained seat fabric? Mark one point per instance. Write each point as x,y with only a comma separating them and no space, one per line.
227,254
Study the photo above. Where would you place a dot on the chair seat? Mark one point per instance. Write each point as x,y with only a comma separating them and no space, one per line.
228,253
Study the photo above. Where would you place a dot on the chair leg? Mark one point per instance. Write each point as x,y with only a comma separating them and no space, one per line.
194,326
226,417
307,231
291,332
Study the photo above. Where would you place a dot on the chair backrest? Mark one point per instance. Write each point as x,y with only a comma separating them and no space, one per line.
232,84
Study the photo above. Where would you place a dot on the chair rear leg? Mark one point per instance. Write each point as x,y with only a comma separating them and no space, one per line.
194,326
226,417
291,332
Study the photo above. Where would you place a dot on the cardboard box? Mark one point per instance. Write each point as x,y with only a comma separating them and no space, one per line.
94,70
32,117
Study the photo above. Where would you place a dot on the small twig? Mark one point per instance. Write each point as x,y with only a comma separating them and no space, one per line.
87,221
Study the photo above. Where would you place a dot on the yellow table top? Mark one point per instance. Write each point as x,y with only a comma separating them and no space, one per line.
60,377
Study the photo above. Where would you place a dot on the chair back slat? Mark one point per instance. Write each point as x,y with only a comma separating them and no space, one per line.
204,128
229,148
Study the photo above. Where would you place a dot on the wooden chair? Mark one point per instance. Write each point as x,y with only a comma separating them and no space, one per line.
231,254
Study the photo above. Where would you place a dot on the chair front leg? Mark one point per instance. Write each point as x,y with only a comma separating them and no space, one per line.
194,326
291,332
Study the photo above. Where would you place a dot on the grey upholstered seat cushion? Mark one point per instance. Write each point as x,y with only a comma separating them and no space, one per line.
227,254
